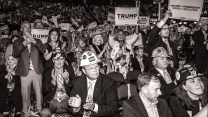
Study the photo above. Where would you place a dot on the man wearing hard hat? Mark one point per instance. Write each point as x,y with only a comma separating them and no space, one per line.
93,94
164,72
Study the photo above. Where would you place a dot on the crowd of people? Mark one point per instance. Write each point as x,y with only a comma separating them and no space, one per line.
102,69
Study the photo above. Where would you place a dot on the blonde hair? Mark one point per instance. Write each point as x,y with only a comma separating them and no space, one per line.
15,60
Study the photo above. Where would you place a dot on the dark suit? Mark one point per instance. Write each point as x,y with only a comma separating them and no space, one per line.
49,90
21,51
166,89
135,108
155,40
200,51
105,95
135,64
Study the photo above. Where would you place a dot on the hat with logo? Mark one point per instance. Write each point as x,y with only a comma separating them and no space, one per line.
58,53
185,73
88,58
159,52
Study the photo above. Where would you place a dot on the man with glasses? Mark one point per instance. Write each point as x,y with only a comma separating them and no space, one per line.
93,94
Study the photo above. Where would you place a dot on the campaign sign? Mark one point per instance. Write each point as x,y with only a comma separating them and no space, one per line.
126,15
186,9
41,34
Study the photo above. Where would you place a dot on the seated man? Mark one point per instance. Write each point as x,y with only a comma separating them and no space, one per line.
94,94
165,74
57,83
147,103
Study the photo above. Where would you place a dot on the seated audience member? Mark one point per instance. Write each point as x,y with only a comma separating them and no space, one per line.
165,73
147,103
190,94
94,94
10,83
57,83
138,62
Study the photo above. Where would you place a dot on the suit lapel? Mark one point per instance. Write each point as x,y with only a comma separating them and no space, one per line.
84,89
140,107
159,75
160,110
97,89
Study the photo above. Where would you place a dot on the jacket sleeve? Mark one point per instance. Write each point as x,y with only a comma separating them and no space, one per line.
153,34
110,107
18,48
127,110
40,46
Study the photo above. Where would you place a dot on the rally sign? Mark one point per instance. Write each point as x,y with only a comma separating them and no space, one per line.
186,9
41,34
111,17
126,16
144,20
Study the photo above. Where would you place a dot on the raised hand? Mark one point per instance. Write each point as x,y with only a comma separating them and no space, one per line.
75,101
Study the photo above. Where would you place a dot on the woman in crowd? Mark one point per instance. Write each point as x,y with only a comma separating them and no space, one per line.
10,84
190,94
52,44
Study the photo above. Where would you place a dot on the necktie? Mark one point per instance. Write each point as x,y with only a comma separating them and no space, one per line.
168,47
89,99
141,64
167,77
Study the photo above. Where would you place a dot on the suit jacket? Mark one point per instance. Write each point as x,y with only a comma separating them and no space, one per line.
155,40
166,89
21,51
105,95
49,90
134,107
135,64
199,46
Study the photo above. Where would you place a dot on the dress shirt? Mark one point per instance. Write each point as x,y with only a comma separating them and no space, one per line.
151,108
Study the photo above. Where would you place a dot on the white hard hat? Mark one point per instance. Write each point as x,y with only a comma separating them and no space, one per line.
88,58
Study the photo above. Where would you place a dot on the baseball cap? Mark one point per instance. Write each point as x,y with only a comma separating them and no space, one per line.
185,73
88,58
159,52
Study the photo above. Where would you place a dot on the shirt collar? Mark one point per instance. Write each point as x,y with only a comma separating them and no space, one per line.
161,71
145,101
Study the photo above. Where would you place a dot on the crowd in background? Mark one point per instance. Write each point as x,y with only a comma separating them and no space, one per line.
115,51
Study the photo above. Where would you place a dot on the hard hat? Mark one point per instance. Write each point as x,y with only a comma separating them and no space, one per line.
88,58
